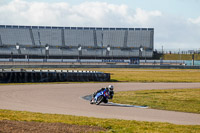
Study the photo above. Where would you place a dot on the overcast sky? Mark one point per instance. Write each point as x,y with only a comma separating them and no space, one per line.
176,22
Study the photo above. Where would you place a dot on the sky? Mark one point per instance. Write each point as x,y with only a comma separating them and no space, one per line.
176,23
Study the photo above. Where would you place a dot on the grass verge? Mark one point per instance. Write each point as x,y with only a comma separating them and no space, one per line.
155,75
180,56
184,100
112,125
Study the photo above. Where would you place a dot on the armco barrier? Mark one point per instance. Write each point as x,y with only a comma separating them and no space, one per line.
26,76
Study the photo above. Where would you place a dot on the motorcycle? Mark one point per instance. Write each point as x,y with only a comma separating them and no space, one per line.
100,97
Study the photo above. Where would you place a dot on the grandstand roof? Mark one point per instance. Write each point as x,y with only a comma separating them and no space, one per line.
72,28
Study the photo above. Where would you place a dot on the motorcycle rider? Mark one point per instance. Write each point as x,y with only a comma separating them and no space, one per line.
110,91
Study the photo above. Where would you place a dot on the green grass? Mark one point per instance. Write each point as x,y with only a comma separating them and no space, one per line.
153,75
112,125
184,100
180,56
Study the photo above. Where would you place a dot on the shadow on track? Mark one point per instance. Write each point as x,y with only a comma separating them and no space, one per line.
89,97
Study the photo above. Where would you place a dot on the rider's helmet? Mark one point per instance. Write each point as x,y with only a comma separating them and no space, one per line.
110,87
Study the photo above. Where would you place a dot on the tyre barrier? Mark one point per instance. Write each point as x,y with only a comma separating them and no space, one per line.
28,76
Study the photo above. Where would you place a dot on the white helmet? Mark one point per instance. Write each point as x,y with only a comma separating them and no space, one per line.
110,87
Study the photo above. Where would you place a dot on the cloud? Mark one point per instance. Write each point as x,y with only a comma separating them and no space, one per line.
64,14
32,13
171,31
195,21
142,16
176,33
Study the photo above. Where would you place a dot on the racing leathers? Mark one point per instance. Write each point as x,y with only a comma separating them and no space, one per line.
110,92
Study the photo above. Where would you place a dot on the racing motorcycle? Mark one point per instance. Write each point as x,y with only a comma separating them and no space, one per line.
100,97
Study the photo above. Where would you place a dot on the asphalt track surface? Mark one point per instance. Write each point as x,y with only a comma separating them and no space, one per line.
67,99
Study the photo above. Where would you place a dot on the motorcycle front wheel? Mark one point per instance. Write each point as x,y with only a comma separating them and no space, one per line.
99,100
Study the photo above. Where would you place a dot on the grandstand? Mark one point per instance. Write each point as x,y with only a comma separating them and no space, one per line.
75,42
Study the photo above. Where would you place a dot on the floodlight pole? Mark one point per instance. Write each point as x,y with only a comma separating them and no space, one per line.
18,49
46,51
140,51
11,56
108,50
79,51
193,59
